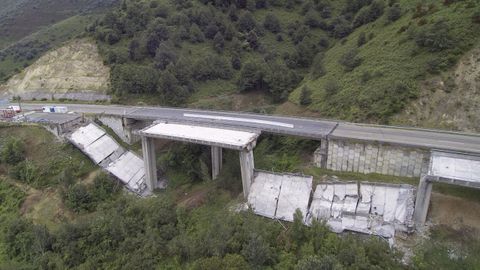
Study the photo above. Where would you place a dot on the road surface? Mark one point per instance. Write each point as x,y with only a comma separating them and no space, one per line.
304,127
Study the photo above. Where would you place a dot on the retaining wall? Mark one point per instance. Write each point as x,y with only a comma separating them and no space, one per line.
364,157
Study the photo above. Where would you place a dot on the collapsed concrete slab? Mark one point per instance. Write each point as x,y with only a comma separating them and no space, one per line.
371,208
108,154
278,196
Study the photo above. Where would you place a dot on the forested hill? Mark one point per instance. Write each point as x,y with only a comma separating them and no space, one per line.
358,60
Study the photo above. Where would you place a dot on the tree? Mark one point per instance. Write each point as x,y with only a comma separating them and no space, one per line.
236,62
218,42
170,89
271,23
279,80
252,75
256,251
134,79
362,39
164,56
370,13
350,60
394,12
331,88
13,151
246,22
318,70
311,18
211,30
305,96
340,27
78,198
435,38
135,51
196,35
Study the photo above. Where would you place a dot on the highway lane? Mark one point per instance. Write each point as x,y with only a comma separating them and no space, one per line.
310,128
432,139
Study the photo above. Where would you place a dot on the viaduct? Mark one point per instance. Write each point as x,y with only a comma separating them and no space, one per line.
431,155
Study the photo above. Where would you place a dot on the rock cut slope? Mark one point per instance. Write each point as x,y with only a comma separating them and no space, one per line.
74,68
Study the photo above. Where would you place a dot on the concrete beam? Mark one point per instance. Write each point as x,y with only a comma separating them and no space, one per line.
424,192
148,148
246,165
216,161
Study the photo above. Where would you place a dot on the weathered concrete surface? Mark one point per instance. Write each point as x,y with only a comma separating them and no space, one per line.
276,195
247,165
217,161
362,157
371,208
149,157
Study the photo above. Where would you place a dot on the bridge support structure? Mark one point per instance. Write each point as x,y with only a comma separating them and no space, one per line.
150,160
216,138
247,166
217,161
424,192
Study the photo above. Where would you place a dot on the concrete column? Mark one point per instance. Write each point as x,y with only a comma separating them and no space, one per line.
216,161
246,165
148,147
323,153
424,191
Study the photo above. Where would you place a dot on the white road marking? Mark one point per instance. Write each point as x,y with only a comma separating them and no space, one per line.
237,119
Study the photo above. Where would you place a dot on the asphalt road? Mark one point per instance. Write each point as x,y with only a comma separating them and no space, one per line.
309,128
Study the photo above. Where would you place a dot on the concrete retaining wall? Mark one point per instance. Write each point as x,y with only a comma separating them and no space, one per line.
365,158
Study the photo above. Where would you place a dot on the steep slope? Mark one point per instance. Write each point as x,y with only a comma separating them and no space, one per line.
376,70
75,67
450,100
20,18
359,60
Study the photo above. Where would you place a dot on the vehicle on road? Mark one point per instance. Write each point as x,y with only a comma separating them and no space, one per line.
15,108
54,109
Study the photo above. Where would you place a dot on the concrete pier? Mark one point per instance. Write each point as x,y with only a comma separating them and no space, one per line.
149,157
216,161
247,166
424,192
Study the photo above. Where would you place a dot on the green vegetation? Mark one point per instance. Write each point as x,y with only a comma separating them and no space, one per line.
362,60
189,226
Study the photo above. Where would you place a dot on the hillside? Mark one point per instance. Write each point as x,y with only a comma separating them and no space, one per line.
20,18
356,60
74,67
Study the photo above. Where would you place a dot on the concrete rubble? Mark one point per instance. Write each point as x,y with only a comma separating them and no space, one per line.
370,208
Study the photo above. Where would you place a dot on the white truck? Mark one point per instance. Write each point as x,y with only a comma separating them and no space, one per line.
15,108
54,109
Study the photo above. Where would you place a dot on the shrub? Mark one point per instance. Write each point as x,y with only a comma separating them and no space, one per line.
25,171
13,151
394,13
305,96
331,88
362,39
252,76
246,22
350,60
317,70
272,23
78,198
218,42
435,38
